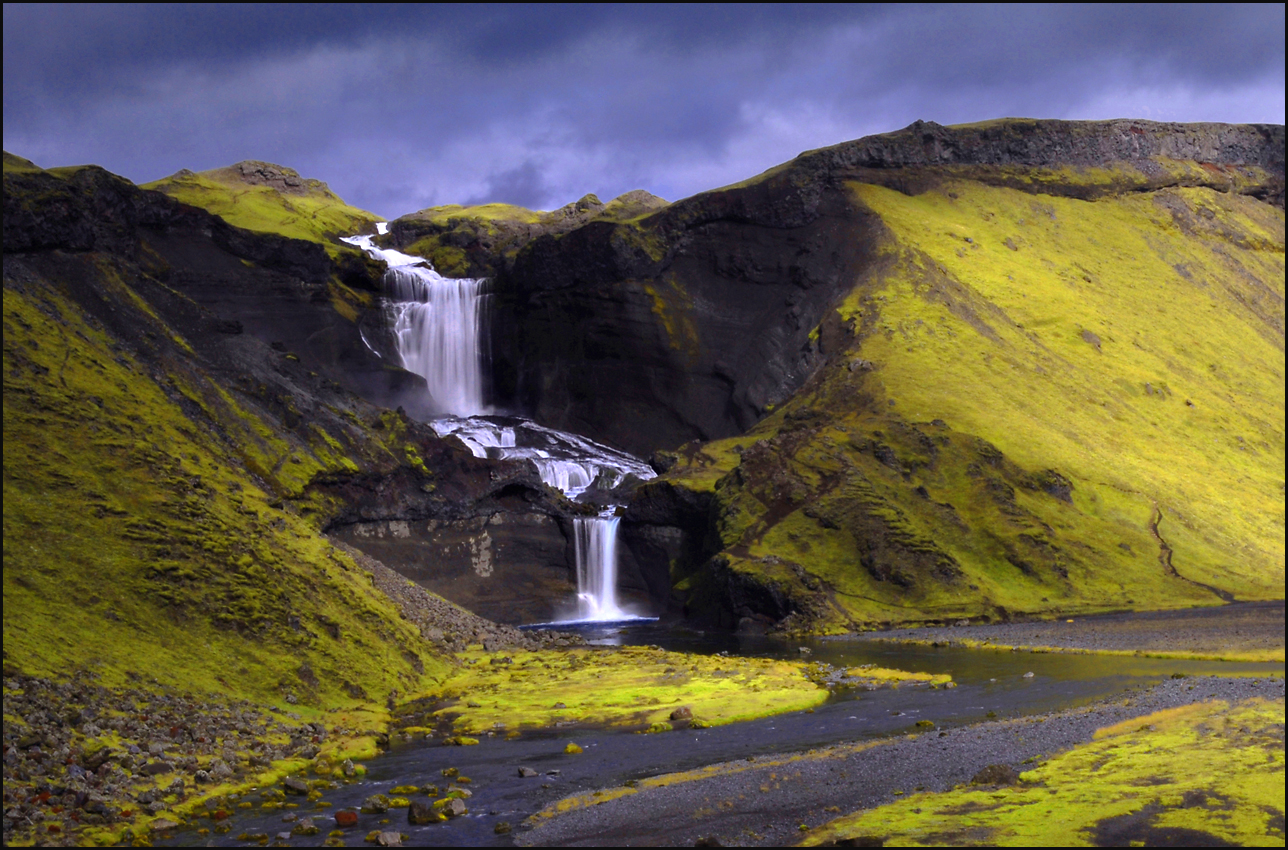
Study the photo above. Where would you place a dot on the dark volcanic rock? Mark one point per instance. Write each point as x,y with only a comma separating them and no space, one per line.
693,321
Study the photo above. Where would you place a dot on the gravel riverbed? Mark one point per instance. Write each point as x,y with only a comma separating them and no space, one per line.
765,802
1218,631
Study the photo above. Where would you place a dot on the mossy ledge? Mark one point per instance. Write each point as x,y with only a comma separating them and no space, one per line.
483,240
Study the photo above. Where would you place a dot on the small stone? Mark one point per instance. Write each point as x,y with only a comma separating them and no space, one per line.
305,827
559,705
572,749
502,828
346,817
455,808
422,812
163,823
525,772
295,785
1027,675
683,713
996,774
389,839
376,804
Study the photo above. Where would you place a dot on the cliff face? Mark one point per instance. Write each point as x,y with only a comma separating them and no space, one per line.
1016,367
694,321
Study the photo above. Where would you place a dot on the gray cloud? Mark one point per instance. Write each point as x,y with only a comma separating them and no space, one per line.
403,107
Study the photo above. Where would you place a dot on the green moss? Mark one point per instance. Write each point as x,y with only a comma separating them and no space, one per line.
154,548
1206,772
17,165
973,452
314,212
635,687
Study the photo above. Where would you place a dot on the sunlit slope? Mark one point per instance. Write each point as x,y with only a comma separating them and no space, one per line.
1135,344
1032,405
145,535
268,198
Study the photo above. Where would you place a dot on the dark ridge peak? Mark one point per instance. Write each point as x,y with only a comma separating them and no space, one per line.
1052,143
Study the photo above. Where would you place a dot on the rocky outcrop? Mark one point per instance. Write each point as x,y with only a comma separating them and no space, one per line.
482,241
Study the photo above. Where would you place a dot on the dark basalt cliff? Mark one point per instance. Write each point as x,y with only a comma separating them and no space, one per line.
692,322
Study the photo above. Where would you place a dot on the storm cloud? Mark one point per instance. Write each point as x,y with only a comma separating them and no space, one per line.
402,107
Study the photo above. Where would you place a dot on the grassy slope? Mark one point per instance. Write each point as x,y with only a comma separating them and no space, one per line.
145,533
318,215
1169,432
1207,772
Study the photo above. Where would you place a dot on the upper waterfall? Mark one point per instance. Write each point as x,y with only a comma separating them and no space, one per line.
439,328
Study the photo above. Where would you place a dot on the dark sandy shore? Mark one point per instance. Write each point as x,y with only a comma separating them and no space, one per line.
763,803
1219,631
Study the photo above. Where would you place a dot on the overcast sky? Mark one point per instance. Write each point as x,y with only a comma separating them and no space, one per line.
404,107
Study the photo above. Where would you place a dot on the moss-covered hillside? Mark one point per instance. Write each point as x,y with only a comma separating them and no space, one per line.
161,517
1045,392
269,198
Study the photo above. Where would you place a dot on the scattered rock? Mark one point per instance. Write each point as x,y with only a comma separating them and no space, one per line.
295,785
422,812
455,808
502,828
525,772
682,713
305,827
389,839
460,741
996,774
572,749
1027,676
346,817
376,804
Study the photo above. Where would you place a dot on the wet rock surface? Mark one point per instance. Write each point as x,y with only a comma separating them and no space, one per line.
449,626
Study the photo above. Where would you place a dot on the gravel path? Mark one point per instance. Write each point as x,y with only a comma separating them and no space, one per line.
1241,627
764,803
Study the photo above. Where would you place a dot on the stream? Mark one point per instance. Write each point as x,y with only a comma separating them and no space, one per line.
987,680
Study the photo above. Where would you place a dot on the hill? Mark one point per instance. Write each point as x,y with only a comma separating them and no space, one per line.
1023,367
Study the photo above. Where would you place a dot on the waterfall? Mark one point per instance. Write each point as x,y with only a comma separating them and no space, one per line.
597,568
440,327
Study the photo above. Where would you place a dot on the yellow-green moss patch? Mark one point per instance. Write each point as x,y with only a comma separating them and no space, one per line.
1208,772
632,686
